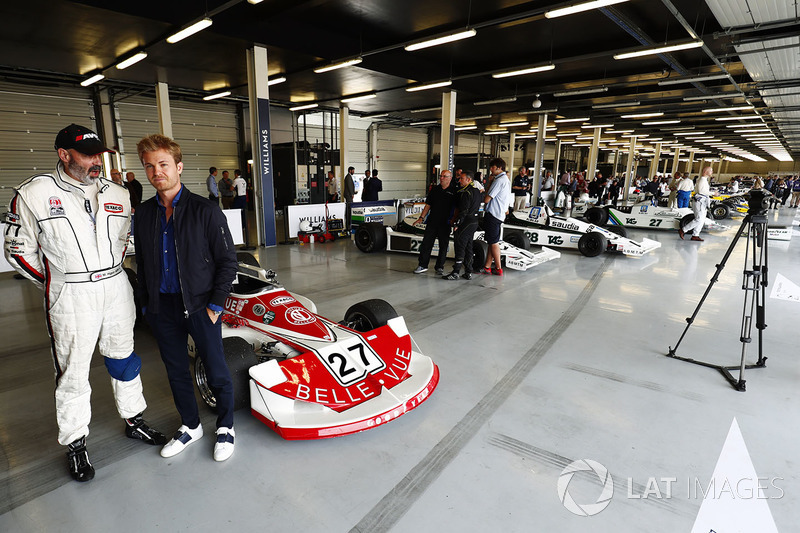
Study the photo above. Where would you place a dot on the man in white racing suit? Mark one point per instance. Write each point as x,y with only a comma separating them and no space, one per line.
67,232
702,190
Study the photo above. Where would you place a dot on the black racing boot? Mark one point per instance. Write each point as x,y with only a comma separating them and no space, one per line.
78,459
135,428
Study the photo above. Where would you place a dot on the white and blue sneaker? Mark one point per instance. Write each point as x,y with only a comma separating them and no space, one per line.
182,438
223,449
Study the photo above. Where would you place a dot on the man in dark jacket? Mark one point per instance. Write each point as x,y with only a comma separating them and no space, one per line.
186,265
436,215
372,188
465,222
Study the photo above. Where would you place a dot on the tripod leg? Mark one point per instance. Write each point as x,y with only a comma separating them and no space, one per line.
762,295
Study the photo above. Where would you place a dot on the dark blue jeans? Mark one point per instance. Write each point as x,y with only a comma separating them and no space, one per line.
171,329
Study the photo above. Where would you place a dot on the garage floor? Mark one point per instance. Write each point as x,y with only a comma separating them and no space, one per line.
538,369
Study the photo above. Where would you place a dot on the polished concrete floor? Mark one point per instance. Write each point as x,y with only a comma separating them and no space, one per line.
538,369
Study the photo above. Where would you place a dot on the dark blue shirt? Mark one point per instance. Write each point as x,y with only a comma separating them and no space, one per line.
170,281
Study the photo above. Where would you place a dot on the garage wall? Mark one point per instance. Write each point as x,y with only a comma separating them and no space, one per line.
206,132
30,118
401,159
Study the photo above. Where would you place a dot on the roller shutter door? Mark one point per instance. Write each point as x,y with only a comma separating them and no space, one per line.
402,161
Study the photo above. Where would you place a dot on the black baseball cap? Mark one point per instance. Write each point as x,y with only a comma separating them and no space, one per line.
81,139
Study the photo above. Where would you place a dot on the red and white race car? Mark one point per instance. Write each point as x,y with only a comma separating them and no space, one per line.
307,377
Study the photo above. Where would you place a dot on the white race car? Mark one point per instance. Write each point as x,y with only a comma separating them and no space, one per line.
542,227
515,251
643,216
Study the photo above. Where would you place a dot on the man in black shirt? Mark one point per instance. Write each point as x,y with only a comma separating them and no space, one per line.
465,222
438,206
135,189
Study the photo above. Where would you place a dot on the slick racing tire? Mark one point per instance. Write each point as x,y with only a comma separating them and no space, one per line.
479,252
371,237
518,239
247,258
592,244
720,211
686,219
369,314
239,357
619,230
597,216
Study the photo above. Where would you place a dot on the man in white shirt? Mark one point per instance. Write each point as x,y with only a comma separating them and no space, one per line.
495,208
702,189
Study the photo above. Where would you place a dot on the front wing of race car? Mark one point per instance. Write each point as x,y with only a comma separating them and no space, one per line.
345,388
520,259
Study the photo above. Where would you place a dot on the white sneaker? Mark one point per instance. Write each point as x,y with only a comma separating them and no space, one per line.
223,449
182,438
420,270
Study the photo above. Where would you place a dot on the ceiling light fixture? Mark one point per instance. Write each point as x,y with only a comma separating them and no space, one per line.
135,58
217,95
92,79
378,115
304,106
693,79
660,122
539,111
512,124
200,25
577,8
748,117
620,104
644,115
713,96
723,109
426,110
620,131
424,123
592,126
464,128
495,132
276,81
427,86
577,92
476,117
504,100
340,64
660,50
565,120
520,72
436,41
568,134
690,133
357,98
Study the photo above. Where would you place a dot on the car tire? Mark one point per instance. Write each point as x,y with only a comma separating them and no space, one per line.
239,357
597,216
369,314
720,211
247,258
371,237
592,244
479,252
518,239
619,230
686,219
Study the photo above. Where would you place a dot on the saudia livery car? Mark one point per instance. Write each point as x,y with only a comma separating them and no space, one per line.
307,377
643,216
542,227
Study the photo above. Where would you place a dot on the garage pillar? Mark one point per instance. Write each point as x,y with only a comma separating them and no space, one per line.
448,131
557,160
510,170
628,173
676,160
690,162
164,114
344,144
538,159
655,161
263,185
594,152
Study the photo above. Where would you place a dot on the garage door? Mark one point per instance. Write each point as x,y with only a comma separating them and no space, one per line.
402,161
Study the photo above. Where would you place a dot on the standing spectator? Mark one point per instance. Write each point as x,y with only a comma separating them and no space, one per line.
652,191
613,191
672,202
438,206
240,192
563,196
787,191
372,187
701,200
186,265
116,176
520,188
349,185
135,190
477,181
211,185
495,209
465,222
333,187
795,193
226,190
547,182
67,232
685,188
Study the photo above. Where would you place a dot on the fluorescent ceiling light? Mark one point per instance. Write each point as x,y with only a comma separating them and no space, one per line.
660,122
304,106
254,2
436,41
357,98
92,79
496,101
693,79
495,132
723,109
429,86
690,133
644,115
619,131
713,96
476,117
538,111
620,104
341,64
217,95
378,115
276,81
592,126
702,138
660,50
135,58
750,126
464,128
200,25
577,8
584,138
511,124
567,134
520,72
577,92
633,135
565,120
748,117
426,110
424,123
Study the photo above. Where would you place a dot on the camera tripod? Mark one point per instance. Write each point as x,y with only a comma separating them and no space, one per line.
755,286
